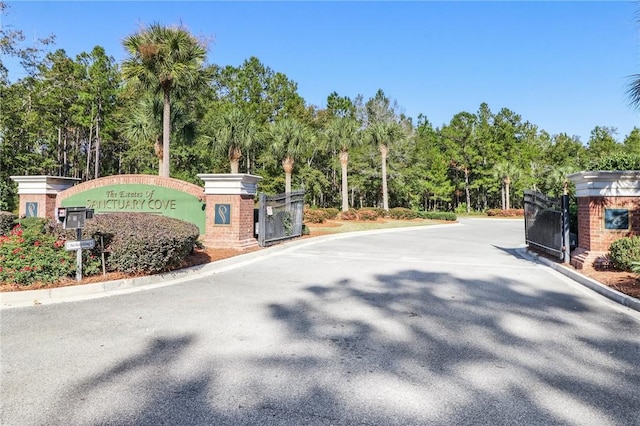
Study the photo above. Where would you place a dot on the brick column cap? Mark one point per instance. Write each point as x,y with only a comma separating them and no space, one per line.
607,183
43,184
230,184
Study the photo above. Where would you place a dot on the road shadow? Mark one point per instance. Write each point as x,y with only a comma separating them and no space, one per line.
410,347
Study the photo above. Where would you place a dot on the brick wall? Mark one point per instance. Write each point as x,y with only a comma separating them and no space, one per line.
166,182
46,204
239,233
592,235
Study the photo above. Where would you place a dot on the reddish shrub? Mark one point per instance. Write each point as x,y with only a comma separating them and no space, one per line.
367,214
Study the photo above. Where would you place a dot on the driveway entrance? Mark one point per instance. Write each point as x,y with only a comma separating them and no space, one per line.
436,325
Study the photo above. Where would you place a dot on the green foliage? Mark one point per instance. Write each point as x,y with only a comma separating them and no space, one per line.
7,222
28,255
75,117
402,213
143,243
618,161
7,194
448,216
625,252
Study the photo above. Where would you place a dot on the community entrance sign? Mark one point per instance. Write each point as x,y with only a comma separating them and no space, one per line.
222,209
140,194
142,198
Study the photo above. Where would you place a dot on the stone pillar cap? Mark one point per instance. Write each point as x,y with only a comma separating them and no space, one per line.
230,184
43,184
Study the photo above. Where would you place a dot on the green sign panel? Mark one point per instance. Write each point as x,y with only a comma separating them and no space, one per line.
142,198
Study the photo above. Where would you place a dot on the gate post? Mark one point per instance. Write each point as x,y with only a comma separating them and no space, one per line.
229,208
608,209
566,240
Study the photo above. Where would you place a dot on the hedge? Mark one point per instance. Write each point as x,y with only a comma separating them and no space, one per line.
448,216
141,242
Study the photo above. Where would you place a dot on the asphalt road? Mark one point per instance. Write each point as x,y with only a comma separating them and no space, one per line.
442,326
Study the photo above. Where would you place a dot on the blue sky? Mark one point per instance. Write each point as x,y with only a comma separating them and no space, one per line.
563,66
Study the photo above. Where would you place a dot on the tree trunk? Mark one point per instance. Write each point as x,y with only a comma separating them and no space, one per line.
166,129
467,189
96,175
158,149
287,165
344,161
89,153
507,183
384,150
504,204
234,159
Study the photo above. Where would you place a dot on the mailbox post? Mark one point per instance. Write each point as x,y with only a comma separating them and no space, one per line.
74,218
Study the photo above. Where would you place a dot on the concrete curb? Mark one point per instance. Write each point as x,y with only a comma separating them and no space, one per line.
590,283
18,299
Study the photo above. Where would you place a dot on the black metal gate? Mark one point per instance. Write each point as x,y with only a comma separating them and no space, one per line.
546,224
280,217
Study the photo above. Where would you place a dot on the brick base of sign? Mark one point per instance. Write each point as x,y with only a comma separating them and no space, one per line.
238,232
591,222
590,260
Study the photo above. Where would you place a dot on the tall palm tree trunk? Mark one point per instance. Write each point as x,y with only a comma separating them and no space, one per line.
96,175
467,190
234,159
507,183
344,161
384,150
166,128
287,165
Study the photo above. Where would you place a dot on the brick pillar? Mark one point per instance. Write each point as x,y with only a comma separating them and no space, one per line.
229,202
38,194
602,195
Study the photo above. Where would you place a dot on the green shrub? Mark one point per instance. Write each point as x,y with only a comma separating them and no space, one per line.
625,252
448,216
367,214
143,243
29,255
38,224
350,214
314,215
617,161
402,213
7,222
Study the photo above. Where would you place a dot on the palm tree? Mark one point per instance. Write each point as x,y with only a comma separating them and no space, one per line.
288,139
233,132
505,172
342,134
164,59
382,135
557,181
